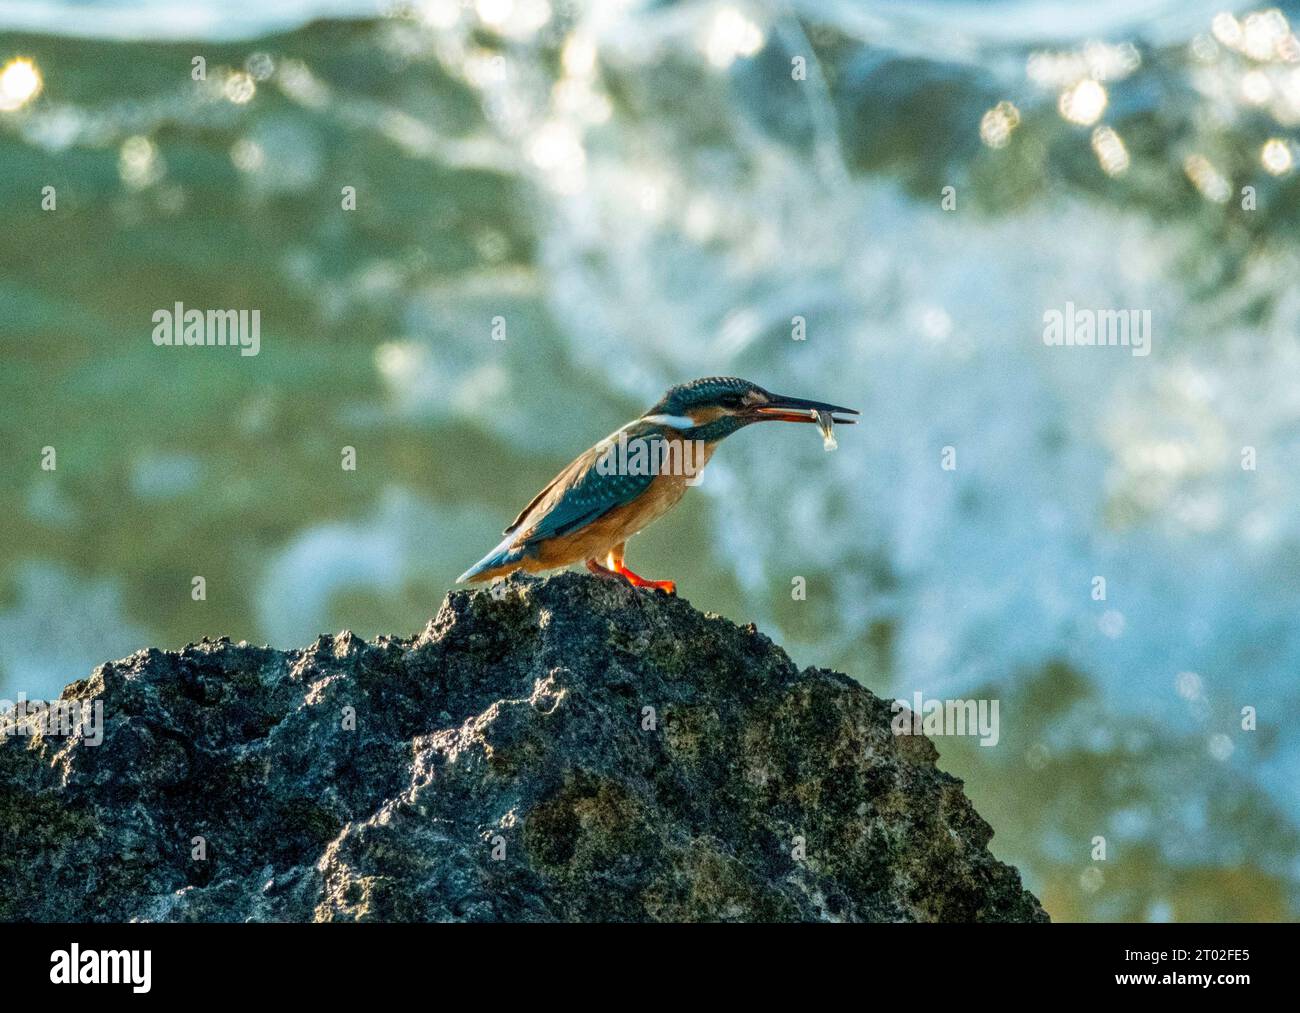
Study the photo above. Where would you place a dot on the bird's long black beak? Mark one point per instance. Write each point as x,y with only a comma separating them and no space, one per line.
797,409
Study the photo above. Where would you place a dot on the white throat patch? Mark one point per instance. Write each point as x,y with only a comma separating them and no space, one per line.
673,421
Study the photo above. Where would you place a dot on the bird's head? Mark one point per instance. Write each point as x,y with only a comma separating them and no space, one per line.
717,406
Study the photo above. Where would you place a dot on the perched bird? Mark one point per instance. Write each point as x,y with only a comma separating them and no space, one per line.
635,475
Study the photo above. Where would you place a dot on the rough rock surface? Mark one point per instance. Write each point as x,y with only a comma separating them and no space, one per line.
502,765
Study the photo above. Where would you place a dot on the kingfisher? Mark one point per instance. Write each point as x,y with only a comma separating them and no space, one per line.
635,475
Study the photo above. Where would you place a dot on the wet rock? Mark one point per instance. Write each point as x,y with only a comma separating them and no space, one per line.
558,749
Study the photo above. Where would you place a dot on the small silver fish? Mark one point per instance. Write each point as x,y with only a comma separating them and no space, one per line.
826,423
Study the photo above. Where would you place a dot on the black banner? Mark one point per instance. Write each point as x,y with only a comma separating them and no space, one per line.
332,961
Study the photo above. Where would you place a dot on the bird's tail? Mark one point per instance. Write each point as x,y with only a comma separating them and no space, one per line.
504,554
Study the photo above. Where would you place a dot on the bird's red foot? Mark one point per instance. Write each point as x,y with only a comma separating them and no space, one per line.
666,586
635,580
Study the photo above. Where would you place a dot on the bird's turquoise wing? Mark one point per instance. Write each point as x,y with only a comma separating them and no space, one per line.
587,490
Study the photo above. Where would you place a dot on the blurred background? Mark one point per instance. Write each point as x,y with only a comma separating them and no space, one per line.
650,192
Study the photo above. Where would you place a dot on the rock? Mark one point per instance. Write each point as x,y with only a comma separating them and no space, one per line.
558,749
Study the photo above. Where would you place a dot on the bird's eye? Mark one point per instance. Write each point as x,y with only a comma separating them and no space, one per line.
731,401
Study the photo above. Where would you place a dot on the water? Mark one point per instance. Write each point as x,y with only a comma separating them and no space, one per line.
643,194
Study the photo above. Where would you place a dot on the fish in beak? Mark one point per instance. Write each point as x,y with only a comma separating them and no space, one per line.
796,409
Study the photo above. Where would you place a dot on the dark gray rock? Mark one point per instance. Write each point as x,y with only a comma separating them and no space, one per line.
498,769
